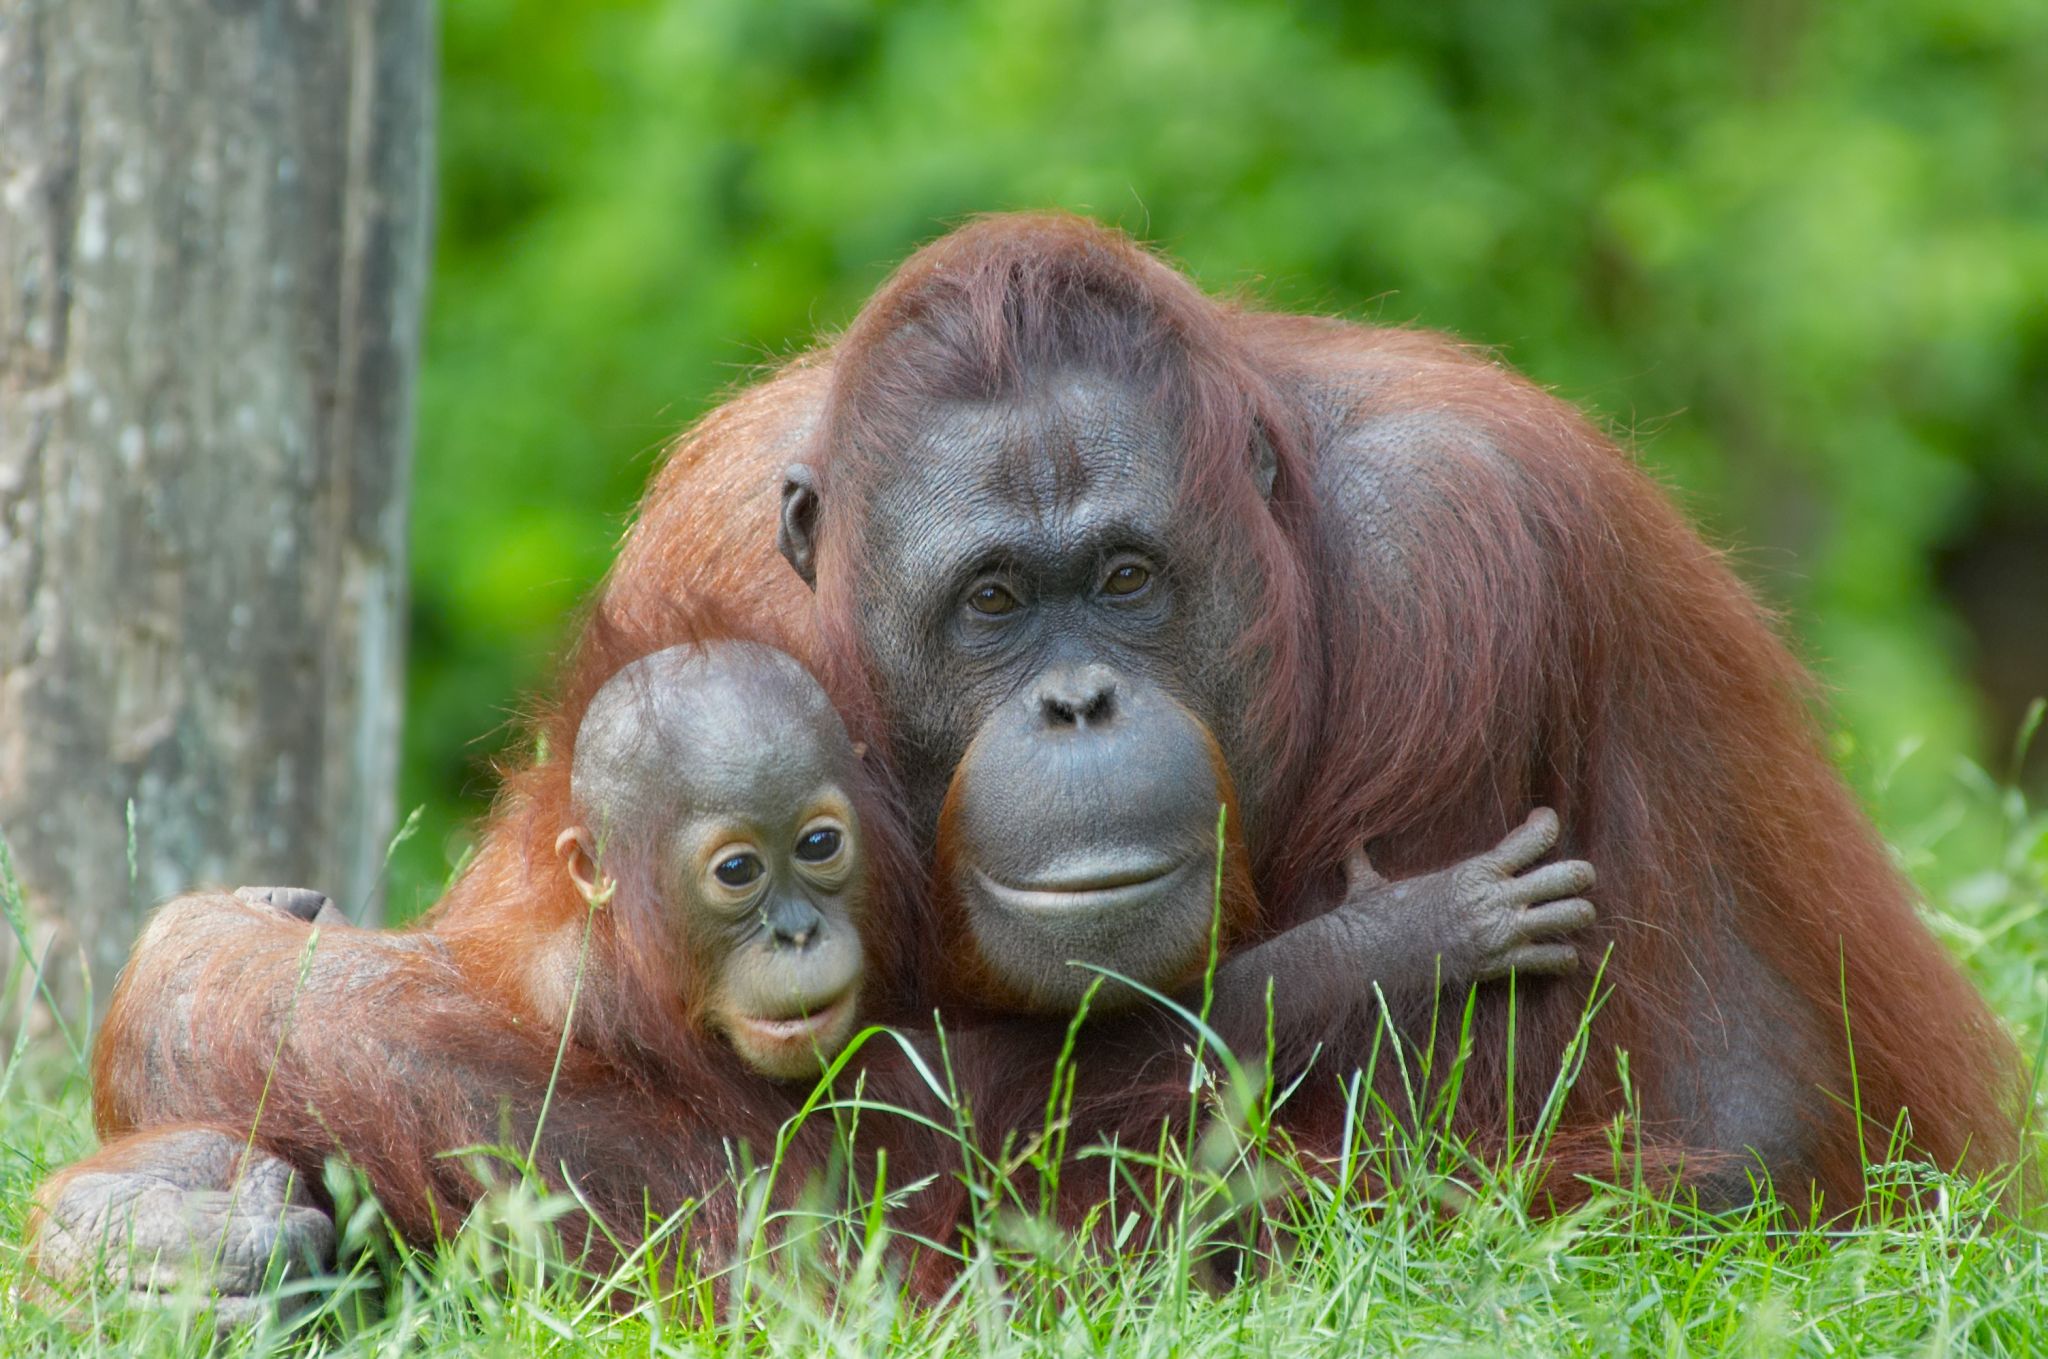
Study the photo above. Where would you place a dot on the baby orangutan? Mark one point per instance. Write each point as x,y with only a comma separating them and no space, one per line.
713,790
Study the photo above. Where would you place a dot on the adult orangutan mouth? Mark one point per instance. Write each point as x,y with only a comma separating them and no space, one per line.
798,1028
1095,891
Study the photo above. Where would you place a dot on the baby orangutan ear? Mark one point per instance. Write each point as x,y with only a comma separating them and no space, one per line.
578,853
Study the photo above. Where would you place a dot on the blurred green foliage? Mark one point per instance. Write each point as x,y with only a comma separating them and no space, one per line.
1798,253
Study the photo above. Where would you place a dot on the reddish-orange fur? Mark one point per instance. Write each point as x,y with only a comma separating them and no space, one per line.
1561,637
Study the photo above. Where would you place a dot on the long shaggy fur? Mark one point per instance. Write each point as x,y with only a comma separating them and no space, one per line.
1506,612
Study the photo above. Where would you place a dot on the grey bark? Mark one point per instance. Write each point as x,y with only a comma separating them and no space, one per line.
213,251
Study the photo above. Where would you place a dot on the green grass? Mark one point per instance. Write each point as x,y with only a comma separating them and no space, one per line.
1444,1260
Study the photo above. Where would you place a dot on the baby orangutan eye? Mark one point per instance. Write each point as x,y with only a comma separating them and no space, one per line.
819,845
738,870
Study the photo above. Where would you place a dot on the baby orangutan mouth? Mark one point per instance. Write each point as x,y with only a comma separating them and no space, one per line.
799,1043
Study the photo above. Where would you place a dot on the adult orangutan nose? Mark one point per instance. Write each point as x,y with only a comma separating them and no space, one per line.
1076,697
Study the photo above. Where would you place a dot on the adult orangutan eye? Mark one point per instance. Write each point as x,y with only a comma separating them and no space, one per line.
738,870
991,599
1127,578
819,846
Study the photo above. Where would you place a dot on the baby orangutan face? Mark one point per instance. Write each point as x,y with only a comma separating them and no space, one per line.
722,775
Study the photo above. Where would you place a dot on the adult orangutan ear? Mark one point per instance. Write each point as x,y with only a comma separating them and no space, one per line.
797,535
1265,460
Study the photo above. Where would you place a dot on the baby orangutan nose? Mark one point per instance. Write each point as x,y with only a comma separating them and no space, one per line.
794,925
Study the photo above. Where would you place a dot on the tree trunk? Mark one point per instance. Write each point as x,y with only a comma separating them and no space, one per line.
213,248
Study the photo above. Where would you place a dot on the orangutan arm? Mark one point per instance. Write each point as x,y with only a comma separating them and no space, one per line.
1493,914
237,1026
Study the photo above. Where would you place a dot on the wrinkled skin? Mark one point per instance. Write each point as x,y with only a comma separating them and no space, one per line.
1496,914
1061,599
185,1209
1080,756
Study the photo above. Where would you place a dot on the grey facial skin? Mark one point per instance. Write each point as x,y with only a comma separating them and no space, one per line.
1056,649
727,770
1109,873
1048,633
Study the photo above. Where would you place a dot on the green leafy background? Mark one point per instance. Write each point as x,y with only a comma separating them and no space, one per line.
1796,253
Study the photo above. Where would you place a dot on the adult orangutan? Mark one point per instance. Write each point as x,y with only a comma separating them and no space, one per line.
1051,510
